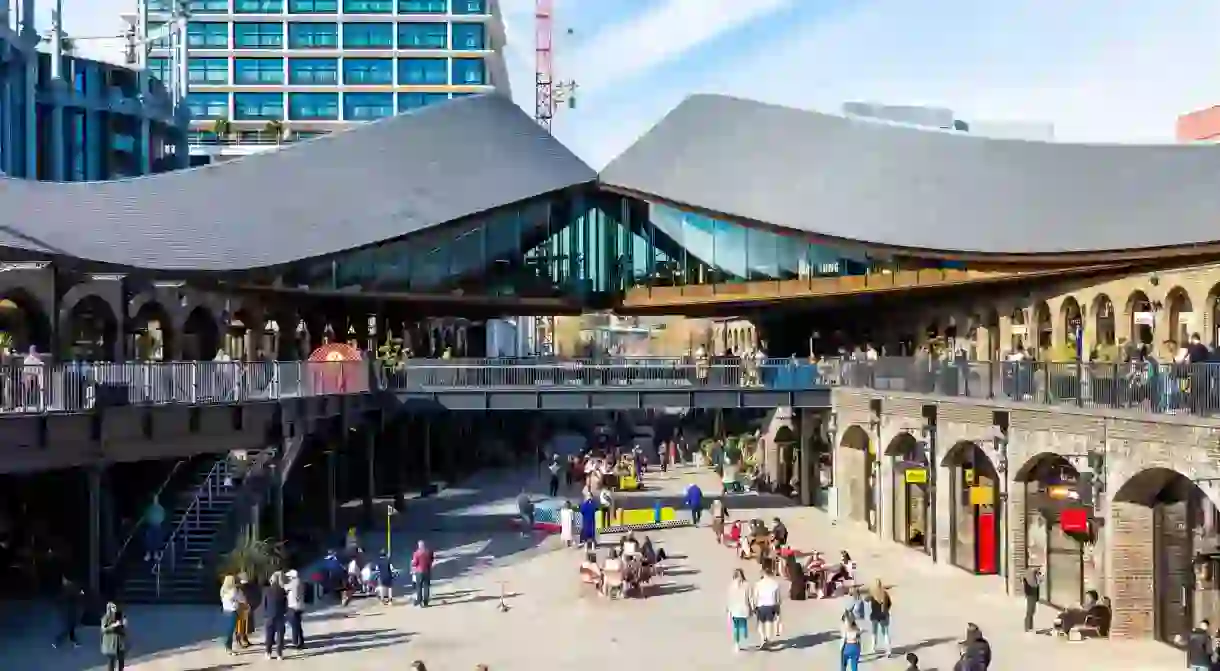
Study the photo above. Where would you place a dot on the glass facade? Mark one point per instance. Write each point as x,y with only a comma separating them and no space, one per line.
108,122
577,244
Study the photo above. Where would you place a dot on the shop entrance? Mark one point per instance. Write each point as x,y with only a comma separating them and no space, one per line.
1052,541
975,513
912,497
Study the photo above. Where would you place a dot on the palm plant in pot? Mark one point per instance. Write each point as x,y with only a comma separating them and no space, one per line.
256,558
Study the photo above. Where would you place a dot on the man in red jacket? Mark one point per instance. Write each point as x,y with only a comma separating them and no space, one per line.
421,574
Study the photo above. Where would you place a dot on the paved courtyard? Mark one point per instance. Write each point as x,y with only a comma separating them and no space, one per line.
553,624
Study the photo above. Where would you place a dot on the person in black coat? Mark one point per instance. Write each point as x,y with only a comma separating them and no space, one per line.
275,612
978,650
1199,648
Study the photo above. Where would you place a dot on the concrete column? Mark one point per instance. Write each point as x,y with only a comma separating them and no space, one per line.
93,476
1018,562
370,485
943,515
885,495
1132,582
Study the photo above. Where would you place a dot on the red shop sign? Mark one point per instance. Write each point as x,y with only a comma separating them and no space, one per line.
1074,520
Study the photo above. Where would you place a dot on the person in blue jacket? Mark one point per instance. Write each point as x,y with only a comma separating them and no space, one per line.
588,522
694,501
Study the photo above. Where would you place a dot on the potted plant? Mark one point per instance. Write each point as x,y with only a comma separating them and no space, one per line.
222,128
257,559
275,128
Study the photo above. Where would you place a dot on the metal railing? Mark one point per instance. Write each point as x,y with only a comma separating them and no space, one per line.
167,559
80,386
1190,389
139,524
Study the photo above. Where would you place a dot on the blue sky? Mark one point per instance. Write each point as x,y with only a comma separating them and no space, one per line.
1100,70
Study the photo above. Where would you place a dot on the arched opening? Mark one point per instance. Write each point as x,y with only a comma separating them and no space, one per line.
1181,316
1143,318
1020,330
1044,329
1213,307
856,466
91,330
200,335
23,323
912,498
1103,319
1073,330
1166,547
1050,485
974,511
151,337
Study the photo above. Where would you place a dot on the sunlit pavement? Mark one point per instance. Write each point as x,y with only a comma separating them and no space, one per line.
552,623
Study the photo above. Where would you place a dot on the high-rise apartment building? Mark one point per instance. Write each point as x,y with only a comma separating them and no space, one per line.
271,71
945,119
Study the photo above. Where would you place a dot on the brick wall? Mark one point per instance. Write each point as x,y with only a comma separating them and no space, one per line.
1133,557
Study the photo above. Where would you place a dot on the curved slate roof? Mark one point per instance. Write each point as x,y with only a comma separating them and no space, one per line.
898,186
371,183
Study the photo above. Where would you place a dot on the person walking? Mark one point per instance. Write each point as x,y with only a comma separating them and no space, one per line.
1200,649
720,513
154,522
114,637
275,611
525,507
1031,588
421,574
849,651
385,578
879,604
230,605
296,608
251,597
766,596
694,502
553,469
69,606
567,524
739,609
588,522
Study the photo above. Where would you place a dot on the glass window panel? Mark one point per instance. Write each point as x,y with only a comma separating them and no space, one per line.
313,35
209,6
367,106
258,70
410,101
313,6
368,6
469,36
423,36
258,35
423,6
208,70
258,6
313,106
730,261
469,6
368,35
423,71
789,255
760,254
160,5
158,67
313,71
207,35
368,71
258,106
469,71
208,105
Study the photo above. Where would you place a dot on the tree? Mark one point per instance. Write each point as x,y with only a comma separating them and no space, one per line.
258,559
222,128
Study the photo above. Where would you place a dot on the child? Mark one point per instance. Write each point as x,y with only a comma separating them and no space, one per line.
912,662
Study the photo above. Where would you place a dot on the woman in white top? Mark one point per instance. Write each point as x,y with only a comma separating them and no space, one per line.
849,653
230,597
567,523
612,574
739,608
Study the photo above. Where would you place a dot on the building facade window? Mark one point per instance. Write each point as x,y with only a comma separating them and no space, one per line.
368,6
313,71
208,6
313,106
258,6
157,67
368,71
160,5
423,71
258,71
423,36
258,35
208,105
258,106
313,36
208,71
207,35
469,6
469,37
163,42
423,6
367,106
313,6
469,71
368,36
411,101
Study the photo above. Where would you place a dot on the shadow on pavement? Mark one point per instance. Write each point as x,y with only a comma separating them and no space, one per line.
809,640
901,650
667,589
349,641
218,667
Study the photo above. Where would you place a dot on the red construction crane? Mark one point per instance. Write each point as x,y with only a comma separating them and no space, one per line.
547,91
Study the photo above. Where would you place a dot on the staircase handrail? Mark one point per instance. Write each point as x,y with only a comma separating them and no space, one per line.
118,556
203,494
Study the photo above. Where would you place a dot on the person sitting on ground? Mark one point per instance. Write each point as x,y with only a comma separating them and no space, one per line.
798,585
590,572
629,545
612,574
651,555
912,661
779,533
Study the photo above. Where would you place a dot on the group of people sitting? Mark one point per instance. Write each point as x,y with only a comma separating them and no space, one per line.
753,540
629,566
1092,617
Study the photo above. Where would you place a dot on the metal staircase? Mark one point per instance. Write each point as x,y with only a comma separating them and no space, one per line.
177,574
